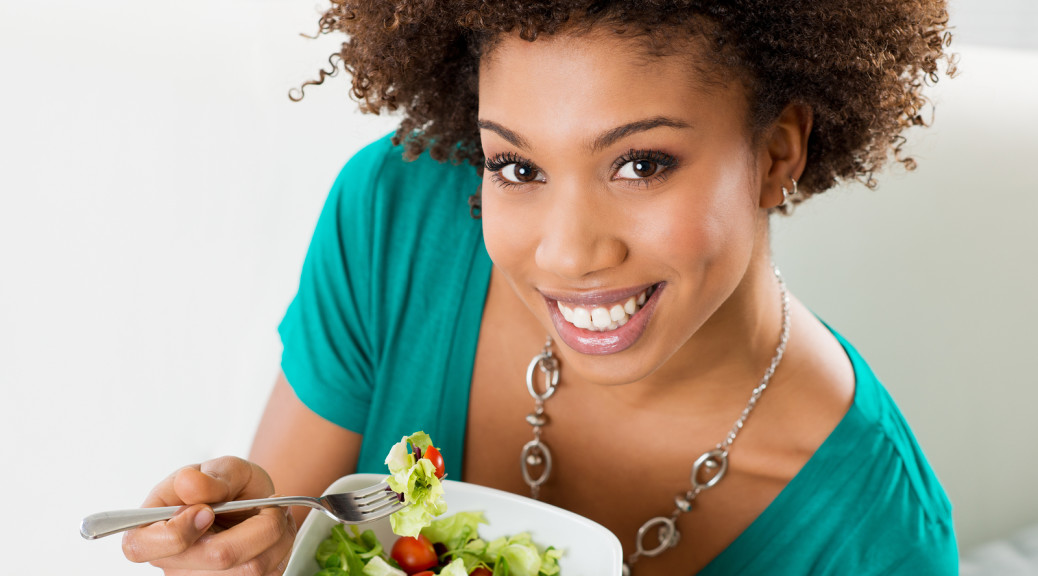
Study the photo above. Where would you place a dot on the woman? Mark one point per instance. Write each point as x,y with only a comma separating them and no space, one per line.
628,156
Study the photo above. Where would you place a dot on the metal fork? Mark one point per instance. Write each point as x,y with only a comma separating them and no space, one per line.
364,505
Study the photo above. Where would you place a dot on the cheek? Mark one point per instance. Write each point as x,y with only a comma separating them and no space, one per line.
712,227
506,232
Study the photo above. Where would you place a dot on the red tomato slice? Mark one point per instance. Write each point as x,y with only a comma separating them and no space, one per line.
434,456
413,554
481,571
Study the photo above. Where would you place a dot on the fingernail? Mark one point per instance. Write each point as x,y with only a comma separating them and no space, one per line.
203,519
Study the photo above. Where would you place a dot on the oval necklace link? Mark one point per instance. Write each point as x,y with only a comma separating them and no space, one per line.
535,453
548,364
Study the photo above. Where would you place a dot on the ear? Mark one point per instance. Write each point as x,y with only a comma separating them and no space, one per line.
784,153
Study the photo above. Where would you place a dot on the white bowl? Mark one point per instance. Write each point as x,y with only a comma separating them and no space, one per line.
590,549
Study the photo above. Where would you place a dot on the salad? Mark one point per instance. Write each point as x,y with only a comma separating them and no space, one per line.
415,468
449,546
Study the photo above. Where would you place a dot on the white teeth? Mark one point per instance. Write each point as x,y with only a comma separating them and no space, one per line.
630,306
600,318
604,318
566,313
581,318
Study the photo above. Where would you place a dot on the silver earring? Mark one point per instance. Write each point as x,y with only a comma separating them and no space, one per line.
786,194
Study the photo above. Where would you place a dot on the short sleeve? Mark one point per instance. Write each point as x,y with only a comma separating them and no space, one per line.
930,549
327,356
866,503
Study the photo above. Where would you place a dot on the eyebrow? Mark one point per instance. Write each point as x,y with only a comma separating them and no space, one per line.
603,140
610,137
513,138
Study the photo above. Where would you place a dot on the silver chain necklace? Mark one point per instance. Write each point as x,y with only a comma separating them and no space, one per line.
707,470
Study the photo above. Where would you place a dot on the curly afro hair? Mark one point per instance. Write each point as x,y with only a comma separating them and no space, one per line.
860,67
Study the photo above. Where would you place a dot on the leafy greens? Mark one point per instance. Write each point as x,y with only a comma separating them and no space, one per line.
416,479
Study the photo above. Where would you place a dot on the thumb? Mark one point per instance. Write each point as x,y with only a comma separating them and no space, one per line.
201,518
190,523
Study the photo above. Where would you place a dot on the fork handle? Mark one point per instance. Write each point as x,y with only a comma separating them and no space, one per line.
104,524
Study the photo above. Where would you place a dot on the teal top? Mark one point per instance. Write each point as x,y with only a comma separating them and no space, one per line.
381,339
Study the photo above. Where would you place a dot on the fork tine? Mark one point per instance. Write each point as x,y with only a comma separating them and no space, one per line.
376,497
365,505
376,491
381,512
375,503
370,490
387,493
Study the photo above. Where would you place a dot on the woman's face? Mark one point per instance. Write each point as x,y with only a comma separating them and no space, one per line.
621,196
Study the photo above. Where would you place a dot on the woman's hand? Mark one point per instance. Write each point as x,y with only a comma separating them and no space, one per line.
249,543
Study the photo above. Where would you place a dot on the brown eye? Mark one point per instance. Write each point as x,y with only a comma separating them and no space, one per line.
645,168
521,173
638,169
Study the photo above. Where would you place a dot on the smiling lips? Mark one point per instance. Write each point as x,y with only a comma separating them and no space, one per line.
601,323
605,318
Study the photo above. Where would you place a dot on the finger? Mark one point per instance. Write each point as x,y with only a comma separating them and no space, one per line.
168,538
220,480
163,494
256,540
272,562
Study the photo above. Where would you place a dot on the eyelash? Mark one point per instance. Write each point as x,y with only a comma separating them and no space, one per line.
664,160
498,162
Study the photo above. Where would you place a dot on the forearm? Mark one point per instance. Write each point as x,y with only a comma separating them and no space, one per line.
302,452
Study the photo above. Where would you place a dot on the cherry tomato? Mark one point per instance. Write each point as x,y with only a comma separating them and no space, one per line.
413,554
481,571
426,573
434,456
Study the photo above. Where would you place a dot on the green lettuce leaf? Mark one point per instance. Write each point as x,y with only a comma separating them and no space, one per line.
523,559
501,568
459,534
417,481
517,553
474,553
344,552
455,568
353,563
455,530
550,561
379,567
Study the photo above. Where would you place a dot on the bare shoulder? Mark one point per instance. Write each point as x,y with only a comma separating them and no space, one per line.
819,363
811,392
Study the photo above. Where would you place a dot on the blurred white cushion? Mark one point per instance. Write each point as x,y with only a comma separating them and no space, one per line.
1016,555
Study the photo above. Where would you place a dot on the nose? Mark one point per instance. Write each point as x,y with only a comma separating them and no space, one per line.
581,234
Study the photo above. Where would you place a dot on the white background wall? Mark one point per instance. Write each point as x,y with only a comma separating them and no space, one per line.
158,189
